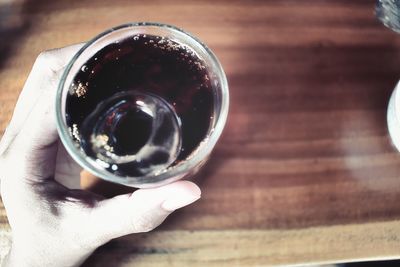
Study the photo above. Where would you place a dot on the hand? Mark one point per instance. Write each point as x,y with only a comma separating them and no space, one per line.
51,224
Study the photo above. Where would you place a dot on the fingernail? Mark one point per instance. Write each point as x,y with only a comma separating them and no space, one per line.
179,201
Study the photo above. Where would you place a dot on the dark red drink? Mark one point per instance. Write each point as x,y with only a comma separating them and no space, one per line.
145,64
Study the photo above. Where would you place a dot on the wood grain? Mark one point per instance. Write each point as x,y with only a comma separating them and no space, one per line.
305,170
250,247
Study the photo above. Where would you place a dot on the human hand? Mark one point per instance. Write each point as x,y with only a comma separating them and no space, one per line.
51,224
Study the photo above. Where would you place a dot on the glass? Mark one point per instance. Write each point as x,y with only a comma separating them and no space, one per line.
152,105
388,12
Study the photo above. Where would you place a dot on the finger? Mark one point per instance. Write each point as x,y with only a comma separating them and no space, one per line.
44,76
67,170
140,211
98,186
33,136
35,146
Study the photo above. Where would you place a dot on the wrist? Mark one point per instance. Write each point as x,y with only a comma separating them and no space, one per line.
30,257
12,259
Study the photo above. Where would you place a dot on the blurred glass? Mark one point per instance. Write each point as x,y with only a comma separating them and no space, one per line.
388,12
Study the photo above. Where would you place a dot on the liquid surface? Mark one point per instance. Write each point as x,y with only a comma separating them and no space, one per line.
102,124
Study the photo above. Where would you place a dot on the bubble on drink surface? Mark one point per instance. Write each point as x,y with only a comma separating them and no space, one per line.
84,68
133,129
75,132
78,89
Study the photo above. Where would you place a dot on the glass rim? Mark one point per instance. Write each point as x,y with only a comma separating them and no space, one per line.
170,174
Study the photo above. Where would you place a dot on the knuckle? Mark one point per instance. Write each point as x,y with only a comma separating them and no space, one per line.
148,221
142,225
45,56
46,60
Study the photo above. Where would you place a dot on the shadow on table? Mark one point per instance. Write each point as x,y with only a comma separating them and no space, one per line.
16,19
13,25
394,263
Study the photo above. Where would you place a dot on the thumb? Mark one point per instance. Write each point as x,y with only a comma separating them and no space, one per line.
141,211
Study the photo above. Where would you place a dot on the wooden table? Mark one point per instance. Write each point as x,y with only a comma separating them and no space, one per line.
305,171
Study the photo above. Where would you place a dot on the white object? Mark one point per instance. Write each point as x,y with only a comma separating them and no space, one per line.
393,116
